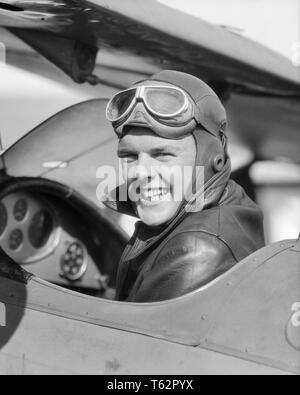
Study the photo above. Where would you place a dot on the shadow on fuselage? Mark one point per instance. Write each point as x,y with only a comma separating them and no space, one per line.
13,296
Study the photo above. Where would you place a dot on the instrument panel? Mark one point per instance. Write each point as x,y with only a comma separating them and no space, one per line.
29,228
52,241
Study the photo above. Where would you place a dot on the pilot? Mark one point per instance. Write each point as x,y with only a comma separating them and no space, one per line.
189,234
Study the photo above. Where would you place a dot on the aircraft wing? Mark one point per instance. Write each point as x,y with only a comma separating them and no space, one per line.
137,38
155,31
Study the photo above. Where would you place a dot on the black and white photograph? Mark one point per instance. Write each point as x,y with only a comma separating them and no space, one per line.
149,190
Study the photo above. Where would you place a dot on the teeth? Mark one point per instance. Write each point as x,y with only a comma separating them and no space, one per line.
155,198
154,193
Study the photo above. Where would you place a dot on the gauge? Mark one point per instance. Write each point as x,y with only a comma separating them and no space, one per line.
3,218
74,264
20,210
40,228
15,239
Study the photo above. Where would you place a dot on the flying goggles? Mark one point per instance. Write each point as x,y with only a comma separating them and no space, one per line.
166,110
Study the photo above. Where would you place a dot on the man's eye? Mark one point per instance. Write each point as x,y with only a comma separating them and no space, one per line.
129,158
164,155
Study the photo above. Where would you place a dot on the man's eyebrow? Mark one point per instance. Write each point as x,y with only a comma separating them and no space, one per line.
166,148
125,151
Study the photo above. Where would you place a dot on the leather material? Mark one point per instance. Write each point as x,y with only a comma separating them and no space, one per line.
163,264
209,112
188,261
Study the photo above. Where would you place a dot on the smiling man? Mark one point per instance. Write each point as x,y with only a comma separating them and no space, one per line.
150,164
196,223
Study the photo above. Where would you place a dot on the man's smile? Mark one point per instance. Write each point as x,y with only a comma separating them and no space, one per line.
153,197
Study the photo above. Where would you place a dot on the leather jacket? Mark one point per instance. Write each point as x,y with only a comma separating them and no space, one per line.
195,248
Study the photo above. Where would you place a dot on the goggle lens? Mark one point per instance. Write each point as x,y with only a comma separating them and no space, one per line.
120,104
164,101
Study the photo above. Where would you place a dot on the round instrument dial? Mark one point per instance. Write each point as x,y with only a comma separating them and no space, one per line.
15,240
40,228
20,210
74,263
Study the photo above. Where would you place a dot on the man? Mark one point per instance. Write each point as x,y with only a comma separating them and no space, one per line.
174,120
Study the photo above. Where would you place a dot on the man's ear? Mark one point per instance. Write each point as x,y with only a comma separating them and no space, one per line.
210,153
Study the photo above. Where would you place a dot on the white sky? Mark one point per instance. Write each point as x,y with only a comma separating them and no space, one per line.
275,23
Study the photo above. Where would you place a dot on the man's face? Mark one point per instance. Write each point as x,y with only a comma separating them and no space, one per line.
149,166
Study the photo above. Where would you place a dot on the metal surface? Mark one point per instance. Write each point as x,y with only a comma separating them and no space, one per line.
239,314
73,347
152,29
82,128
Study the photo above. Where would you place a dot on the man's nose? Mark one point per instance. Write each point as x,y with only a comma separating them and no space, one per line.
143,168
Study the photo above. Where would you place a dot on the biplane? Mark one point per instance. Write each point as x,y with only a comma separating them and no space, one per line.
61,247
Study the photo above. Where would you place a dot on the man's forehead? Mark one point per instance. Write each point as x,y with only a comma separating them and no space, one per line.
145,139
